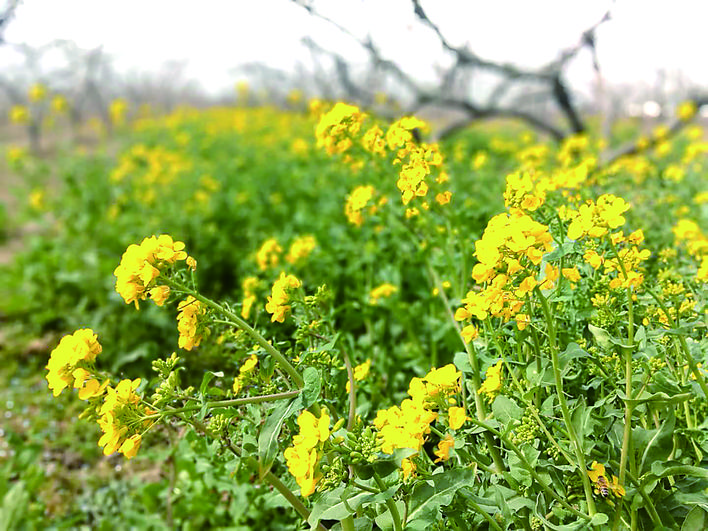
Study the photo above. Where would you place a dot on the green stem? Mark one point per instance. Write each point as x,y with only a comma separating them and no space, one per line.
352,390
391,504
288,495
530,468
228,403
684,346
243,325
485,514
567,419
348,523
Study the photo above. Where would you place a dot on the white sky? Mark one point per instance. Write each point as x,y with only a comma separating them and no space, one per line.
215,36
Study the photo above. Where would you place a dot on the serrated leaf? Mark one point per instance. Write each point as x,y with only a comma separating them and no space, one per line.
268,437
426,500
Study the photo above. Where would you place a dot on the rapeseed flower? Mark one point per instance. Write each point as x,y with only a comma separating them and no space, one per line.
141,265
277,304
190,323
69,360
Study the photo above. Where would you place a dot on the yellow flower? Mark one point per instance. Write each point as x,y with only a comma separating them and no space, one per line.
277,304
74,352
456,417
383,291
443,198
141,264
492,382
269,254
360,372
19,114
300,249
356,202
686,110
59,104
444,447
408,468
189,323
37,92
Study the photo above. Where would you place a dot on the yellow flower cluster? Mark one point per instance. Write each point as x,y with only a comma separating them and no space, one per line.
407,426
249,285
69,361
300,249
686,110
688,232
268,255
416,159
361,371
19,114
303,456
122,419
245,372
277,304
141,265
594,219
189,321
117,110
492,381
356,202
337,127
508,252
149,171
383,291
37,92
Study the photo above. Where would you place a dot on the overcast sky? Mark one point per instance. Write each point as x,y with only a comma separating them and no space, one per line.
215,36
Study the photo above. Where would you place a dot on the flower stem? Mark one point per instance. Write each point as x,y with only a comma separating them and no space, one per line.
390,503
567,419
243,325
288,495
228,403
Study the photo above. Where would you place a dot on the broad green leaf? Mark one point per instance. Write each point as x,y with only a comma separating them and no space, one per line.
268,437
208,377
506,411
660,444
655,398
462,362
426,500
602,337
697,518
312,388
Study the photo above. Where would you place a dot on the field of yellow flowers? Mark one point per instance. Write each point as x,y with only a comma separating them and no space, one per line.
318,318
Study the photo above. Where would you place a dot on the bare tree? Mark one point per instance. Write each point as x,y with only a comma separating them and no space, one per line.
509,97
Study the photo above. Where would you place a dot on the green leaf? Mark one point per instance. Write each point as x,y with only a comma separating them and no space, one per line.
506,411
603,337
312,388
426,500
268,437
462,362
697,518
599,519
655,398
660,444
208,377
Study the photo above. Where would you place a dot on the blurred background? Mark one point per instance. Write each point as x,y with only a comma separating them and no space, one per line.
451,60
